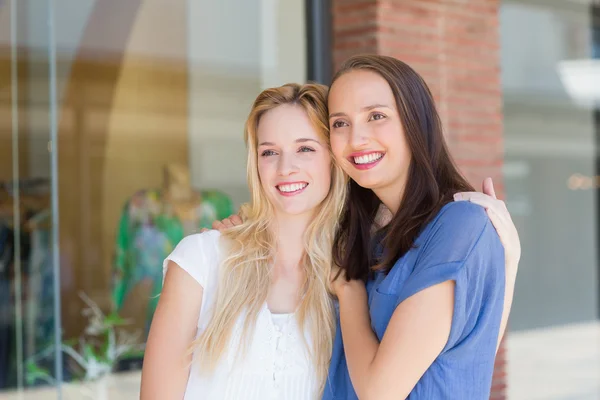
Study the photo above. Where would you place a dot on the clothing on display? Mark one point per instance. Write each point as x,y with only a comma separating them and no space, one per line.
5,304
37,294
150,228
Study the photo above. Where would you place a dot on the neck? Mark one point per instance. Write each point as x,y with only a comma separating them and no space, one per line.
289,232
391,195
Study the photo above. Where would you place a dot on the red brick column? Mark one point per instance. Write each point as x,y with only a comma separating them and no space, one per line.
455,46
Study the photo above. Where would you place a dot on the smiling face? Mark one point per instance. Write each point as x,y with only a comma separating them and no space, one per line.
294,164
367,137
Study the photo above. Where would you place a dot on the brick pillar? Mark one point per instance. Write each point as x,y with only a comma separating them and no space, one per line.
455,46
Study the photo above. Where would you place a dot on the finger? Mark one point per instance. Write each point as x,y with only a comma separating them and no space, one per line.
227,223
503,233
499,225
481,199
510,241
488,187
236,220
506,230
488,203
474,197
218,225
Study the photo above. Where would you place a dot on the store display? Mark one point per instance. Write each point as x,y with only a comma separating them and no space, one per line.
37,291
153,221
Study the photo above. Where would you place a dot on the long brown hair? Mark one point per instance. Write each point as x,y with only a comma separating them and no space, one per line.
432,179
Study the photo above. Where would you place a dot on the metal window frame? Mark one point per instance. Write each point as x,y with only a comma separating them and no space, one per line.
595,38
319,41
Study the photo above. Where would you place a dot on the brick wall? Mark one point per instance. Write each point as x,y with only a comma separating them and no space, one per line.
455,46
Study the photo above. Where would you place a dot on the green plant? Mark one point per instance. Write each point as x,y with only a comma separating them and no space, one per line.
96,352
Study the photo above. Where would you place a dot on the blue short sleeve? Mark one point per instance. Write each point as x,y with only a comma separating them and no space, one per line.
461,245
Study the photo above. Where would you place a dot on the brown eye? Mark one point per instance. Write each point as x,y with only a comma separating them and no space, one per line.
377,116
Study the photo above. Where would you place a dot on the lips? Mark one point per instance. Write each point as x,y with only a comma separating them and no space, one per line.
291,188
366,159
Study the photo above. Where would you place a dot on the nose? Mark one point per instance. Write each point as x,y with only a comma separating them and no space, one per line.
359,137
286,165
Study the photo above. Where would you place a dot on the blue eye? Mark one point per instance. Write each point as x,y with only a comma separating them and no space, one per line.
305,149
268,153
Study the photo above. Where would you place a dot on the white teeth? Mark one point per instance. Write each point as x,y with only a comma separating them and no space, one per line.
294,187
369,158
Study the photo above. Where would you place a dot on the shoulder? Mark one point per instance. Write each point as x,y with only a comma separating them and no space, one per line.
459,221
197,254
456,230
205,242
461,214
460,244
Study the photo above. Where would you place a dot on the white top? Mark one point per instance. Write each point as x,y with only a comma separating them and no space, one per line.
276,366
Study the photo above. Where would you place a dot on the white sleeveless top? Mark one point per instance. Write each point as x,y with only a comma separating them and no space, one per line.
276,365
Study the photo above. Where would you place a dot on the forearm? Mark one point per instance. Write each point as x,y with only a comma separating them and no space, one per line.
164,373
360,342
415,336
167,359
509,290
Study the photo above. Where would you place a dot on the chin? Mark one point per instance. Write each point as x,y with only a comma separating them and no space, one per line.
295,209
367,183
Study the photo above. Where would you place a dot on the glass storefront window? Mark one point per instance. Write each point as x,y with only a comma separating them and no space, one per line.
551,90
150,103
29,319
121,128
550,139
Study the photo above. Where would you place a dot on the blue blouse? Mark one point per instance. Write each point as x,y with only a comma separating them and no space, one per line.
460,244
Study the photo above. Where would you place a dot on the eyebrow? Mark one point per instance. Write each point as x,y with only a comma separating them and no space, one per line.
300,140
366,108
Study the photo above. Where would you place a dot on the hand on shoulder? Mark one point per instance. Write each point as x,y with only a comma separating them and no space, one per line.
229,222
501,219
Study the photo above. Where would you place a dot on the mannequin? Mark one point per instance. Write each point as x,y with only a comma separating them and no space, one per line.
152,223
180,197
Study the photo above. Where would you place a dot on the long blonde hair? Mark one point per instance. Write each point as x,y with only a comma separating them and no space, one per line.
246,271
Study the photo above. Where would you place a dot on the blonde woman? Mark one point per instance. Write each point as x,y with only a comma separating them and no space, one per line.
246,314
